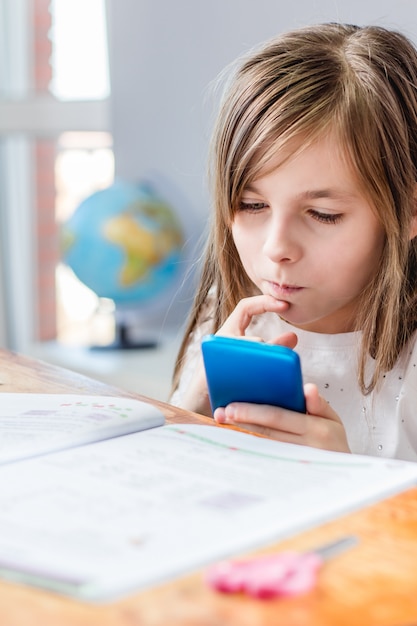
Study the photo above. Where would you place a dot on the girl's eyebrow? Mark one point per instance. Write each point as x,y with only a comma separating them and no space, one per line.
334,194
312,194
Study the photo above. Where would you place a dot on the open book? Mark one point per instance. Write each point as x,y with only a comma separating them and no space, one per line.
100,520
35,424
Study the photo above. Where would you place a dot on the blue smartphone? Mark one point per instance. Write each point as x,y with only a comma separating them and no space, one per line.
240,370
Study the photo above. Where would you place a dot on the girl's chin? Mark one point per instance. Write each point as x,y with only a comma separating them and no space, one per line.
291,319
322,327
303,323
295,317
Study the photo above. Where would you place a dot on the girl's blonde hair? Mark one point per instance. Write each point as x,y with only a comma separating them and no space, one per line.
357,82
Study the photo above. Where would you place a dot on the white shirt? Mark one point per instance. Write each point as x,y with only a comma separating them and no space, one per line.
383,423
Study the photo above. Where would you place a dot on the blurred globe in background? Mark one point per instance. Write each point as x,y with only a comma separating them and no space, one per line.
125,243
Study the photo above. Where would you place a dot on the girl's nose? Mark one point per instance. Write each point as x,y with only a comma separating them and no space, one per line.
282,242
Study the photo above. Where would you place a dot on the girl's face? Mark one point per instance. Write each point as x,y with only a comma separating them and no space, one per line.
307,235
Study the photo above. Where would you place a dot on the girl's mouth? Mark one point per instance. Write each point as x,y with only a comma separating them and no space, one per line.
284,289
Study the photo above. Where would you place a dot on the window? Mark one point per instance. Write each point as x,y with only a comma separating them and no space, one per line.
79,50
55,146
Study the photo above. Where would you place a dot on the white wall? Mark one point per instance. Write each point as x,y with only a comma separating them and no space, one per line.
165,54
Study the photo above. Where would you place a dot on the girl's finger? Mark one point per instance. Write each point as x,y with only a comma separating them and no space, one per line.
239,320
262,416
289,340
317,405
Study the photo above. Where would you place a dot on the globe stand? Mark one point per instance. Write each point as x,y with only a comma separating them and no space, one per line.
124,342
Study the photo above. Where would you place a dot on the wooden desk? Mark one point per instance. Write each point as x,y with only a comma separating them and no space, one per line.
372,584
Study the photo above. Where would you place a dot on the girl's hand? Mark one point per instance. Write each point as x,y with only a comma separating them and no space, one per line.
196,398
321,427
238,321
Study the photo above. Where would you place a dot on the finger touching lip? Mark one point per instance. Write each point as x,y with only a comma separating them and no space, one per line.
247,308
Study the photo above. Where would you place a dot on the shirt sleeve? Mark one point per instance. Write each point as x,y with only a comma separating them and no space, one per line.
193,355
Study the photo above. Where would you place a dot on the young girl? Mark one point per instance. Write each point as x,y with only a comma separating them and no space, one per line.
313,243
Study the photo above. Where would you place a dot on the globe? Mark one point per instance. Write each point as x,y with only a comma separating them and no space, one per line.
125,243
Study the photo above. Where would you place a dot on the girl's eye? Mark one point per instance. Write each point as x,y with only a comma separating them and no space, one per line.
326,218
252,206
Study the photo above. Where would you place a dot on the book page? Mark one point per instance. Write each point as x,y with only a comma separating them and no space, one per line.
111,518
33,424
